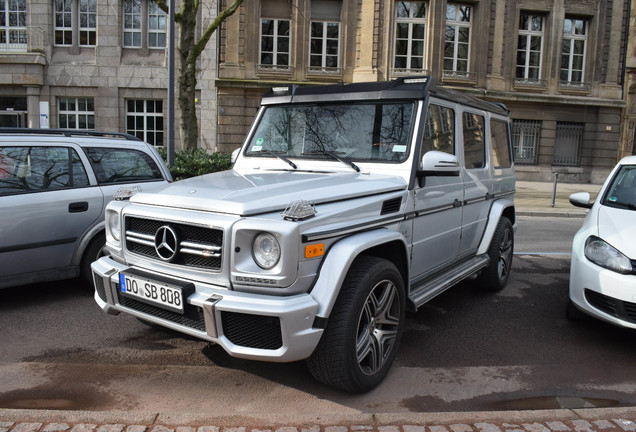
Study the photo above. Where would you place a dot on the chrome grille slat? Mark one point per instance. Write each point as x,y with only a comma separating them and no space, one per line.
199,247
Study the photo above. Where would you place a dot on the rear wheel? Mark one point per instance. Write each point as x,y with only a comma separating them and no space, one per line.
495,276
93,252
363,333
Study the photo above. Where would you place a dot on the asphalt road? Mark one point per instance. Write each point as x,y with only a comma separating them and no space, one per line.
465,350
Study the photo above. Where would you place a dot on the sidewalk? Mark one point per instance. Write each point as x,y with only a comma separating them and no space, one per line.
531,199
535,199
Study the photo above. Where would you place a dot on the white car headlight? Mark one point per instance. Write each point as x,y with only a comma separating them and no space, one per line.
266,250
603,254
112,224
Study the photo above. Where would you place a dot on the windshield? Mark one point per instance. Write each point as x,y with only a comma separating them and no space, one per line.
346,132
622,192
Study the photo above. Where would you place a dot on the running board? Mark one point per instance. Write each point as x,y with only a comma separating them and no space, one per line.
430,288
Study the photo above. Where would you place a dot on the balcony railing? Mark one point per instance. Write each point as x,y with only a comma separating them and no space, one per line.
575,86
531,83
21,40
459,76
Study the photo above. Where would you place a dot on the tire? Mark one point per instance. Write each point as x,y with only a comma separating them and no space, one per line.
93,252
495,276
364,330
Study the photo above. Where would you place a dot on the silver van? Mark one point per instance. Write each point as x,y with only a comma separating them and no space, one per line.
346,206
54,186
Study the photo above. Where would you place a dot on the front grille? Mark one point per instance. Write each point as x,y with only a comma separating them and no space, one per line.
192,316
611,306
252,331
198,247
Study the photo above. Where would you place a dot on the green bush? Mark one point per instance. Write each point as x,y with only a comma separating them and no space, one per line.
192,163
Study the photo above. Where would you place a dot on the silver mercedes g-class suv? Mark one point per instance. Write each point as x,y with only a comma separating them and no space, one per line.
346,206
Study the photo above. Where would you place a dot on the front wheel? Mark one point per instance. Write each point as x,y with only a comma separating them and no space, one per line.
364,330
495,276
93,252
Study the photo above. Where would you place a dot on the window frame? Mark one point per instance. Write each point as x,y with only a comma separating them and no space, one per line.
571,38
528,34
275,44
9,31
324,39
410,21
81,35
76,113
137,25
457,25
144,133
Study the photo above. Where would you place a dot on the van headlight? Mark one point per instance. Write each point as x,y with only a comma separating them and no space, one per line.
113,224
603,254
266,250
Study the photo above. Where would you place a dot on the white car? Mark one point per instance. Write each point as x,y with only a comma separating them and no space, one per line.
603,273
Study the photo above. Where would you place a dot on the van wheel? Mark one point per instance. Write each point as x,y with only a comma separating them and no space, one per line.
495,276
93,252
363,333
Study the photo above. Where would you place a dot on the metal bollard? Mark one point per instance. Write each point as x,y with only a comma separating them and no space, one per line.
556,178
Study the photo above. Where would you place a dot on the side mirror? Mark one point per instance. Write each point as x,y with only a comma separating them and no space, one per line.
581,199
235,154
436,163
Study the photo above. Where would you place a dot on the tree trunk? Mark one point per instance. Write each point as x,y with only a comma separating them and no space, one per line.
187,81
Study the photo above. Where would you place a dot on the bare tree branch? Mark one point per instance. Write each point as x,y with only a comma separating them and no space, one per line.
222,16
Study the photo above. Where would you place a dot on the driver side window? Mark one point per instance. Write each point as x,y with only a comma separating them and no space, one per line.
439,131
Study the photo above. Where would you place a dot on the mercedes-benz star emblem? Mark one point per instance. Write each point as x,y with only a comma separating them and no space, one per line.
166,243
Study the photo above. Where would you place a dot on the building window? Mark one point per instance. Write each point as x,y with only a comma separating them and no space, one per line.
156,26
567,146
275,43
324,38
144,119
410,36
76,113
66,32
143,17
457,40
13,21
529,48
525,141
573,53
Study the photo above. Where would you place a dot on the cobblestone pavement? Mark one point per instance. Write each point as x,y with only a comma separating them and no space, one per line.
583,420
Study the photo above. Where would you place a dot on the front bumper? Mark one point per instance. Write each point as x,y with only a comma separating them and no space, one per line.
257,327
602,293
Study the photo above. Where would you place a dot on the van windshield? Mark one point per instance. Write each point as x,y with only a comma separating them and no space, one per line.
360,132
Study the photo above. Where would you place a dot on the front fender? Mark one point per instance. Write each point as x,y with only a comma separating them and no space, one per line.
496,212
338,261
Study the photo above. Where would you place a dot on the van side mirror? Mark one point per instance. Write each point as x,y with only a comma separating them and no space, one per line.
436,163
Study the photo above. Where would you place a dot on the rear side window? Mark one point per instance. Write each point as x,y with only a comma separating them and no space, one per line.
474,142
35,169
500,144
120,165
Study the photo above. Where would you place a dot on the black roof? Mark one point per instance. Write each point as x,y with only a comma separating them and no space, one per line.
412,88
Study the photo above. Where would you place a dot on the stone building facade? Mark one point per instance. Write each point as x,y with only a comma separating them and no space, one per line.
94,64
559,66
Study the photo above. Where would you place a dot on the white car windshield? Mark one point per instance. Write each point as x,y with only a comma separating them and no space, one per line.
346,132
622,191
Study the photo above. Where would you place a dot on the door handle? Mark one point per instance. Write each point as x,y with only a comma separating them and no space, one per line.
78,207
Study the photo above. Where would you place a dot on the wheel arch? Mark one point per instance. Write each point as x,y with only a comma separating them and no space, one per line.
382,243
500,208
86,240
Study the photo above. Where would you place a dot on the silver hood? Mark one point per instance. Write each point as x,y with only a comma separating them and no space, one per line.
263,192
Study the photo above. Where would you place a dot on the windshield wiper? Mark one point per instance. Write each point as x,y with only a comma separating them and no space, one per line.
281,157
622,204
335,156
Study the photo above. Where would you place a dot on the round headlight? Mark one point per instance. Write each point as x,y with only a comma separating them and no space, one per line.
113,225
266,250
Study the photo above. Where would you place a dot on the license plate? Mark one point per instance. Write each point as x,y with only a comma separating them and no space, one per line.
157,293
